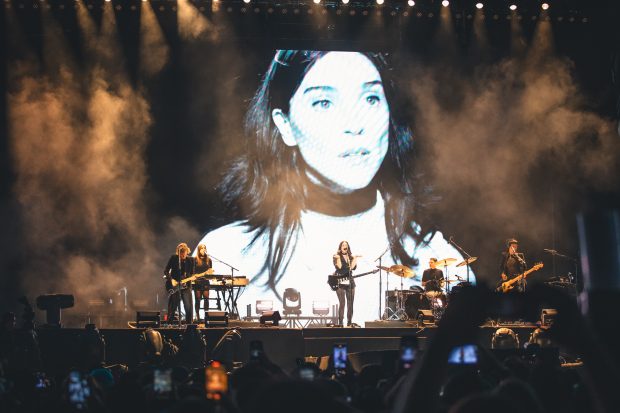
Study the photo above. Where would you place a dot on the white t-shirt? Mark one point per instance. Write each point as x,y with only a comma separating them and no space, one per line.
311,260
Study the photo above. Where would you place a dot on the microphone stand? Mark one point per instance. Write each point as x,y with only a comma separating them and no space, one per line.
554,254
467,256
380,278
231,303
179,288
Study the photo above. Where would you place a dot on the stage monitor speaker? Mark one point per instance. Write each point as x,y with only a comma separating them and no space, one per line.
216,319
148,319
270,318
425,317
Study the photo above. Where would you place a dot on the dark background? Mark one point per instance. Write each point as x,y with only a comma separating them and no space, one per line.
197,102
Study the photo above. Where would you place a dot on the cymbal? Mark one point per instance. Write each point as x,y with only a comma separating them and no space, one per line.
467,261
400,270
453,279
445,262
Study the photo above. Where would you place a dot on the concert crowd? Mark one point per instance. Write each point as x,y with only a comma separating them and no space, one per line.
171,375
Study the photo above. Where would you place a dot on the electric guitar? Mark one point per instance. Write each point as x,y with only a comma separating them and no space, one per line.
509,285
172,284
336,281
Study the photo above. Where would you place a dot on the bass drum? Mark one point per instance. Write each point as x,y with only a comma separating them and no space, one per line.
458,288
415,302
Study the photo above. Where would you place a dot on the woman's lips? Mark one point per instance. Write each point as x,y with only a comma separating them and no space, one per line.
358,152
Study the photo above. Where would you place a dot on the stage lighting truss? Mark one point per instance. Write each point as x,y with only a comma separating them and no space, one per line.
294,11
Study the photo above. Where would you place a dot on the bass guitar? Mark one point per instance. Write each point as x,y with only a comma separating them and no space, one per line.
172,284
336,281
510,284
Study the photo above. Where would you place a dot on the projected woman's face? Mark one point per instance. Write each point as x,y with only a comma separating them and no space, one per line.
339,119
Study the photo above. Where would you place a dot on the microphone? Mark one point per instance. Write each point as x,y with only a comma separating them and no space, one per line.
550,251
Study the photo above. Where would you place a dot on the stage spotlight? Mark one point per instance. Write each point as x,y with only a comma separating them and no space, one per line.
246,1
545,6
316,1
540,336
479,5
513,7
380,2
445,3
345,1
291,300
504,338
411,3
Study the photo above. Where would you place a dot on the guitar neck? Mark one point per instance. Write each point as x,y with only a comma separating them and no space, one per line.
193,277
521,276
362,274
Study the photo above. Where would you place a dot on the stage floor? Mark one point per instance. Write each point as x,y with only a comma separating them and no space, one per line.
281,344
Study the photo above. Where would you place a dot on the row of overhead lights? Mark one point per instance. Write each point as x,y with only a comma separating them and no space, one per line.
444,3
410,3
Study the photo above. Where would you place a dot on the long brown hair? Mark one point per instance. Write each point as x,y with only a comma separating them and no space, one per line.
199,260
267,186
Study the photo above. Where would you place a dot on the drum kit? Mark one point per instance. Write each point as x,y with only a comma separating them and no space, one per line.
404,304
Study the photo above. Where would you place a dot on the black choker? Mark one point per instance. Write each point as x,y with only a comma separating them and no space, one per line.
324,201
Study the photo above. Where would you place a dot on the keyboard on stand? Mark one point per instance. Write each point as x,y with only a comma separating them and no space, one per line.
229,286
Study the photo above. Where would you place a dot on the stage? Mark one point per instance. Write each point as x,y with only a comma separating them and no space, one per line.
377,343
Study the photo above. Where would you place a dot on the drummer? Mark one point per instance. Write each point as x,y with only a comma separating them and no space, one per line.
432,278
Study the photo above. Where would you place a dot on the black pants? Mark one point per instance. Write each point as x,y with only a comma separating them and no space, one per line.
200,295
348,293
173,304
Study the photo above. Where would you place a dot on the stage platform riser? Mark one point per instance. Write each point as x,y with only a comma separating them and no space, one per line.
283,345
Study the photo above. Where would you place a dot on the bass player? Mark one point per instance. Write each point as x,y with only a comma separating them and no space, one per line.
513,264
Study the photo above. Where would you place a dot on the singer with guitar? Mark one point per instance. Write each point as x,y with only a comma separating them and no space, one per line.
180,266
513,264
345,263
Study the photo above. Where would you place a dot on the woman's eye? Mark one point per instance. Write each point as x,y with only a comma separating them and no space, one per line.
373,100
322,104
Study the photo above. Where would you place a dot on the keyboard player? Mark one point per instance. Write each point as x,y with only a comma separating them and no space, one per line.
202,263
